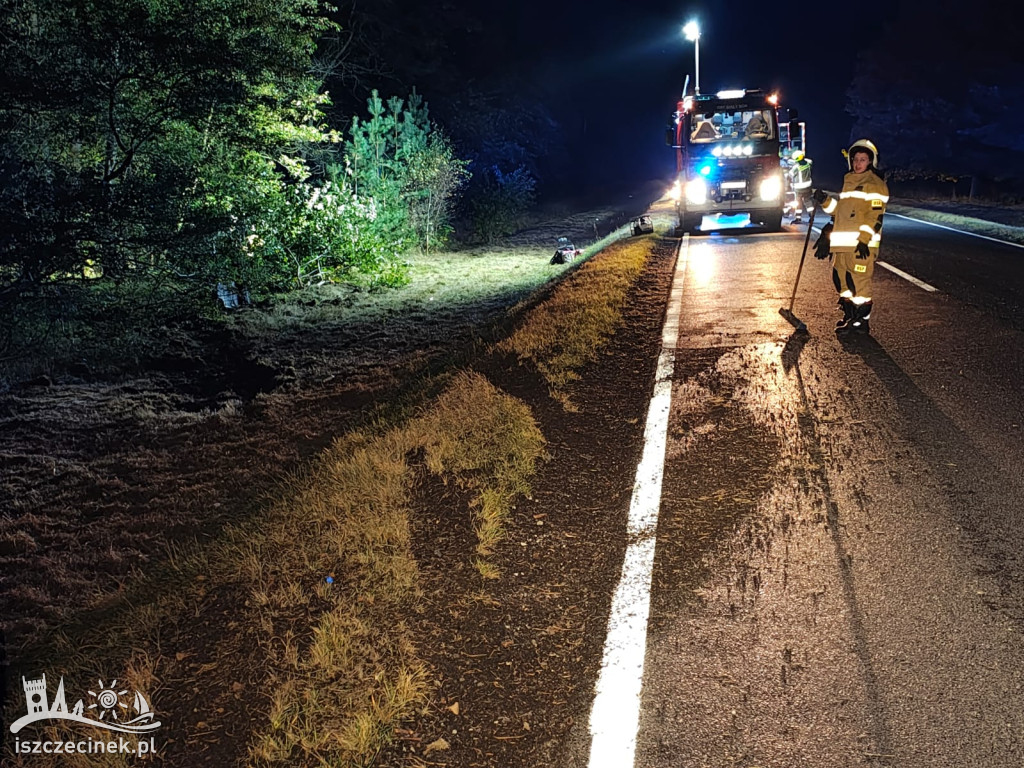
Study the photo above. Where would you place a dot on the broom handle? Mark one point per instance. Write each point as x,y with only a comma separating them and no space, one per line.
807,239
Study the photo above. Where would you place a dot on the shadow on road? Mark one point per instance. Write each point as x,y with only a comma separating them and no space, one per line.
791,352
879,726
981,494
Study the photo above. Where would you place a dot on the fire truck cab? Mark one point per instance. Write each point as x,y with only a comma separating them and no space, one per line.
727,161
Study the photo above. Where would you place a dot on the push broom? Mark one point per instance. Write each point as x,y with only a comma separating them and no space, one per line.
787,312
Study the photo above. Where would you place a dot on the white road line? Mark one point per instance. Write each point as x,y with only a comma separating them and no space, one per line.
905,276
615,717
900,272
959,231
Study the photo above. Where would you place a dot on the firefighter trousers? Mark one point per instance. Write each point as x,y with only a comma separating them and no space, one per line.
852,274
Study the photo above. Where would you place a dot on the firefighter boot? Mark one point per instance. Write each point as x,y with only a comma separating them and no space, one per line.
849,308
859,323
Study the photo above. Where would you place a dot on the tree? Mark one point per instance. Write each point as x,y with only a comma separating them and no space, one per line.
501,200
504,126
403,161
938,114
436,177
118,116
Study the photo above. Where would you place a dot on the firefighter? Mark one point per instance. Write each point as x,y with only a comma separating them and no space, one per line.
853,236
799,172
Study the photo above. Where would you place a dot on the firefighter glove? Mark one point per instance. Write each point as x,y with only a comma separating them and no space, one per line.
819,196
822,243
862,250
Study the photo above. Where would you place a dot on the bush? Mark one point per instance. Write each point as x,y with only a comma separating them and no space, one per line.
500,201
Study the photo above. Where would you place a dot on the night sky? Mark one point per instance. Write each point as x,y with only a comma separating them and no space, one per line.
614,71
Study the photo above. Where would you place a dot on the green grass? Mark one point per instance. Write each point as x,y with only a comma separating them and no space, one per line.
109,329
442,286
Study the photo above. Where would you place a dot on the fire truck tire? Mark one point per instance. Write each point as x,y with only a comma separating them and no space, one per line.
690,223
773,222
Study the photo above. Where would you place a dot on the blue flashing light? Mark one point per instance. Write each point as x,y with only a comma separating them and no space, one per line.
705,170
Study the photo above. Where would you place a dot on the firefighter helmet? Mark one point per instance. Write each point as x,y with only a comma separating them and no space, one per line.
862,145
797,155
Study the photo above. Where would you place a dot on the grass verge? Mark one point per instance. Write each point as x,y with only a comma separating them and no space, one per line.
441,285
110,329
355,672
568,330
321,582
1000,231
336,665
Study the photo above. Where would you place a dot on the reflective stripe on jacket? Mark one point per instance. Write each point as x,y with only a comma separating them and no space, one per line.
857,214
800,174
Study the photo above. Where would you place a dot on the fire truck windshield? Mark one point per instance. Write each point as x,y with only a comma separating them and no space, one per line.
748,125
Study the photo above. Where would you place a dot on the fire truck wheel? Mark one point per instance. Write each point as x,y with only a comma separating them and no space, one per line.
690,223
773,222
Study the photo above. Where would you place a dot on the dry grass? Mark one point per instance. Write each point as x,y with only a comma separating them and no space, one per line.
346,666
341,665
338,656
355,671
85,662
567,331
489,443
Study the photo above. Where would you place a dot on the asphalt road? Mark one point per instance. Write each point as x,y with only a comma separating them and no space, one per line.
837,575
986,274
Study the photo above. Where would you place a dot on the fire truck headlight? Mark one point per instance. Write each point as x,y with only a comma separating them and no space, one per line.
771,188
696,191
674,192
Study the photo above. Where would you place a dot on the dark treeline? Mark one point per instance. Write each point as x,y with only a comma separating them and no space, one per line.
942,89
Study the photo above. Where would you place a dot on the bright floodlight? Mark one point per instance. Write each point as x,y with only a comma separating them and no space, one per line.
692,32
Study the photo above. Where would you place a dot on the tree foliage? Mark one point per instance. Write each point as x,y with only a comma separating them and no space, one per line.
501,200
187,143
175,140
506,138
436,177
406,164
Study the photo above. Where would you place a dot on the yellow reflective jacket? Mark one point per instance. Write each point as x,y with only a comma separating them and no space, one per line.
857,214
800,174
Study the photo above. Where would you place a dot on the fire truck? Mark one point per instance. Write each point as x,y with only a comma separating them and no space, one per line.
792,135
728,160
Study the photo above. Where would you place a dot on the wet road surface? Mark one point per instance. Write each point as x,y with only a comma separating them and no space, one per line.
985,274
837,573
